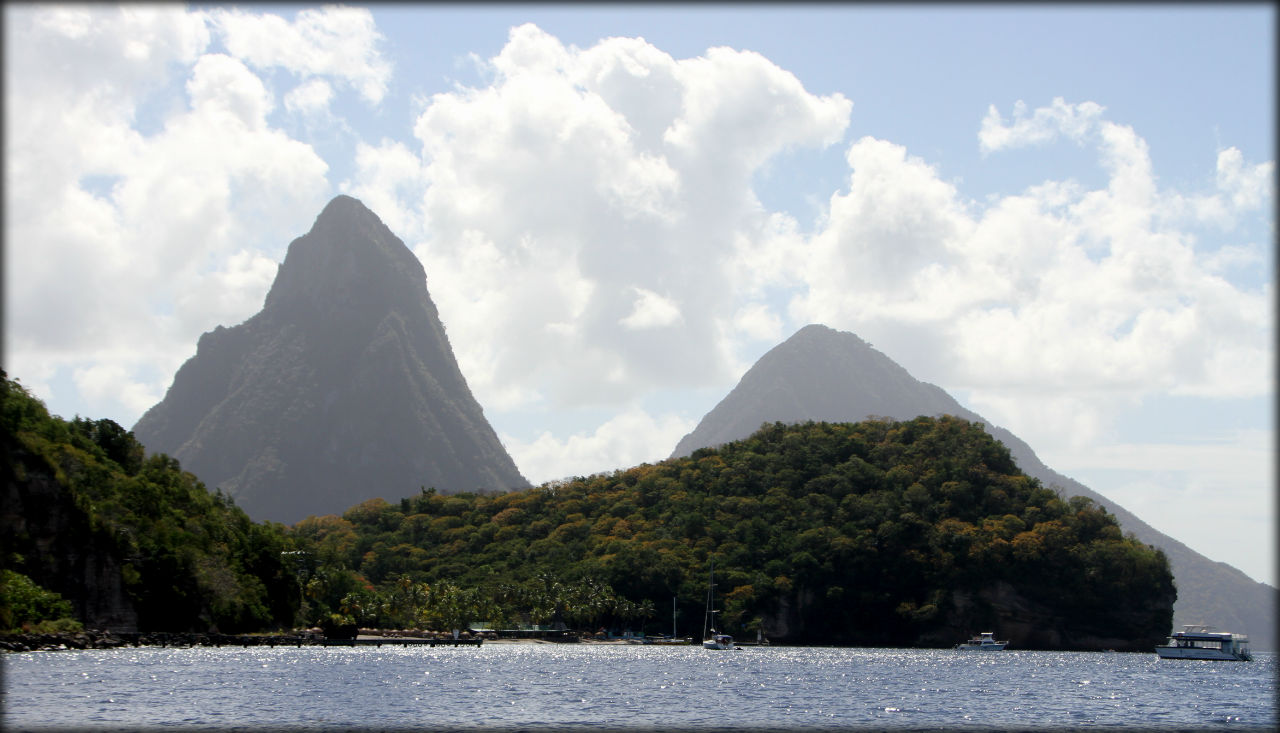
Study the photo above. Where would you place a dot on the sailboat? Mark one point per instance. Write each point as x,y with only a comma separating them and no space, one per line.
673,639
714,640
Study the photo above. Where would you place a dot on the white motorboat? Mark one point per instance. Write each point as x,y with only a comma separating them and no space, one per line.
1196,641
718,641
985,642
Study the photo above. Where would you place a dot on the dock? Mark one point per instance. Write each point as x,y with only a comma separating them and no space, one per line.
396,641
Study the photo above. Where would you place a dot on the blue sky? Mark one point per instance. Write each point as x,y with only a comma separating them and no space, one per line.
1062,215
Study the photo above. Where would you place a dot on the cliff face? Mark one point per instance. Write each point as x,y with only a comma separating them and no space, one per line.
823,374
343,388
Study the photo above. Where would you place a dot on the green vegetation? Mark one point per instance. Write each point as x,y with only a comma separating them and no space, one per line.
25,606
82,498
853,533
877,532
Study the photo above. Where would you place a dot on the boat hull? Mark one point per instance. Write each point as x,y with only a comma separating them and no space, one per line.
1217,655
980,647
718,641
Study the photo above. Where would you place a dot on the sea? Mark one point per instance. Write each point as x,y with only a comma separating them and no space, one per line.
598,686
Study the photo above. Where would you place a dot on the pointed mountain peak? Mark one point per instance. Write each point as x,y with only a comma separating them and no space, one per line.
348,248
346,219
344,387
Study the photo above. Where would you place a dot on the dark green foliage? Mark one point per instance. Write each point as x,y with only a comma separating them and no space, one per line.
878,532
854,533
82,497
25,604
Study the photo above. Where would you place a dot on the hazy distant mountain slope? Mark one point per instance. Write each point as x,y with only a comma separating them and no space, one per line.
823,374
343,388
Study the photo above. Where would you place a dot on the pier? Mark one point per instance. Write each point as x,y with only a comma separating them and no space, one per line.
396,640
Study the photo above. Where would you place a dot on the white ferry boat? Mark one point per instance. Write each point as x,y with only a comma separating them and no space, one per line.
986,642
1196,641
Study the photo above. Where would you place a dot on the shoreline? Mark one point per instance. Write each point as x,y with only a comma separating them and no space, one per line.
98,639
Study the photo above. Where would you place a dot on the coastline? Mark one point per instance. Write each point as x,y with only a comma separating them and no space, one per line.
98,639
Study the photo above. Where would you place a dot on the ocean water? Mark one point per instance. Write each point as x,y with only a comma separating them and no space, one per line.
532,686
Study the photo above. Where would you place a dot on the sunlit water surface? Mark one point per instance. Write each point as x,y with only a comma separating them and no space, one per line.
572,686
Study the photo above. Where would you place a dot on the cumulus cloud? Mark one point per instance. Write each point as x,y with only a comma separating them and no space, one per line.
1074,121
590,230
589,212
310,98
337,42
391,180
651,311
580,208
1065,293
155,193
628,439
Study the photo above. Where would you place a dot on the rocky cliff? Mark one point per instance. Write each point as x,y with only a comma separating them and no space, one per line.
823,374
342,388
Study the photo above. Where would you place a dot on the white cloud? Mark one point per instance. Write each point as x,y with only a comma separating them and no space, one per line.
757,321
630,438
338,42
1247,187
311,97
224,92
581,210
651,310
1047,304
1240,188
104,382
585,193
390,179
1075,121
157,222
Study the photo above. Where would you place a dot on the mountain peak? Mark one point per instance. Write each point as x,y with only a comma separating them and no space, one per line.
826,375
342,388
817,329
818,373
347,258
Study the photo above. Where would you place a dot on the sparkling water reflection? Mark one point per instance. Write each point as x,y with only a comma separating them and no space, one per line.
558,686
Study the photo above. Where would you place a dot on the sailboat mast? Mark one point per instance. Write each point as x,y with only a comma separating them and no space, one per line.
711,603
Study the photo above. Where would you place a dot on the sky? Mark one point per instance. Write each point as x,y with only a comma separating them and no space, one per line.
1062,215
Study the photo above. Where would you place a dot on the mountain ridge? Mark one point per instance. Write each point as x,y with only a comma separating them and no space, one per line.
820,373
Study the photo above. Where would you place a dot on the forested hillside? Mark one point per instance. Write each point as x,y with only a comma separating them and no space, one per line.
877,532
125,541
873,533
